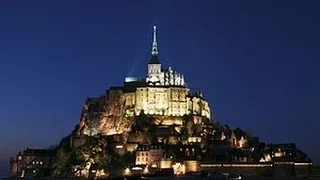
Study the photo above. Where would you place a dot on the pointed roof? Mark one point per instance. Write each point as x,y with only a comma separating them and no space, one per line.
239,133
154,58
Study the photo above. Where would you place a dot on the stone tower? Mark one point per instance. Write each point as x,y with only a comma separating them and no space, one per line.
154,65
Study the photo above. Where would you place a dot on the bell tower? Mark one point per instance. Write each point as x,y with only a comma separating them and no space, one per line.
154,65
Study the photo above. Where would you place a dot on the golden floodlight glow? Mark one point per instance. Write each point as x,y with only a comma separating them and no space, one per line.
302,164
179,168
137,168
146,170
119,146
127,171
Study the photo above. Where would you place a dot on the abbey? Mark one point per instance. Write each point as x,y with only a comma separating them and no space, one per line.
163,93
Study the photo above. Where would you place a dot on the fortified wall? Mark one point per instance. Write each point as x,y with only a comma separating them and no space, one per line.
274,169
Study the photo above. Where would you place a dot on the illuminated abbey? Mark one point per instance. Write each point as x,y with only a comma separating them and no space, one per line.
162,93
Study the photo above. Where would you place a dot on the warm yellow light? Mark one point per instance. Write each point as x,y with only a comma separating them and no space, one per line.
119,146
179,168
146,170
302,164
127,171
137,168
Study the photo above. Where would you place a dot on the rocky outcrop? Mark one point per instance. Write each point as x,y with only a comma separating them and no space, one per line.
104,115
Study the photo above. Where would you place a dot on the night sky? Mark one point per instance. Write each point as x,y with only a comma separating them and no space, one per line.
255,61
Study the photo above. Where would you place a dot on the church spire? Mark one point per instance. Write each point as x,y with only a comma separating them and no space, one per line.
154,51
154,58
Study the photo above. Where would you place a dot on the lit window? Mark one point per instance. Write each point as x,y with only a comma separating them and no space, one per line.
40,162
119,146
33,162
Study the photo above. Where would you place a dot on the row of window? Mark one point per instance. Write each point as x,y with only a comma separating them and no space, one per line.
187,149
163,98
176,92
37,162
143,159
152,154
176,105
142,154
156,154
152,148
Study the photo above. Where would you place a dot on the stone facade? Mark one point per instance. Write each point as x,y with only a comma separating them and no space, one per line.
149,154
237,138
32,163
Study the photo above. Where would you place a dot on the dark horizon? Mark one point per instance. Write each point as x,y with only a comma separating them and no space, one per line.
255,62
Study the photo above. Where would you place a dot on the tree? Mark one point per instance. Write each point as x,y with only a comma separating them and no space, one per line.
186,118
197,129
207,121
128,159
145,124
92,152
170,154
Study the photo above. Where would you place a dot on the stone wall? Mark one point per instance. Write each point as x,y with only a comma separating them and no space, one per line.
245,169
192,166
278,169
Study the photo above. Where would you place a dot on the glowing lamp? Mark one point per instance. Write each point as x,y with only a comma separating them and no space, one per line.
146,170
127,171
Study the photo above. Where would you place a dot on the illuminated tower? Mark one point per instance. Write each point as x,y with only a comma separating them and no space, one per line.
154,65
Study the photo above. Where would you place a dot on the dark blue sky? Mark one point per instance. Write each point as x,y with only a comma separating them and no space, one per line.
257,63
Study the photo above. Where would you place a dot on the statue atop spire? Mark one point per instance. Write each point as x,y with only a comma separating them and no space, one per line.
154,51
